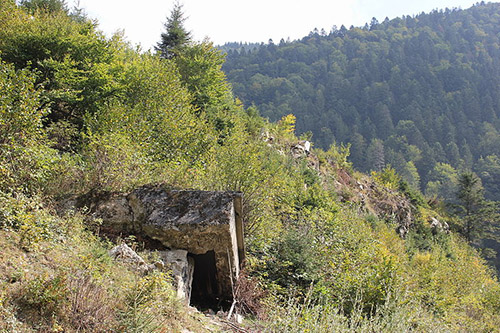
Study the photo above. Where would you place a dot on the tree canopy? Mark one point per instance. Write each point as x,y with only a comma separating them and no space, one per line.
421,89
474,211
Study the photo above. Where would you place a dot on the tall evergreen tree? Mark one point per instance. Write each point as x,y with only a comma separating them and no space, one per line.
376,156
175,36
473,209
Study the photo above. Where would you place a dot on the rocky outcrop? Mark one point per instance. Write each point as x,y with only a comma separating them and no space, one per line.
438,227
206,225
373,198
301,148
176,261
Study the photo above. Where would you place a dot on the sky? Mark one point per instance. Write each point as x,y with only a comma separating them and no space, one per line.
248,20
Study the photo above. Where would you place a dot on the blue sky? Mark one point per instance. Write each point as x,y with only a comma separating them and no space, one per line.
249,20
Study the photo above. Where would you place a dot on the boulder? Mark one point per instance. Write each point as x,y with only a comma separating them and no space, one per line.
128,256
437,226
302,148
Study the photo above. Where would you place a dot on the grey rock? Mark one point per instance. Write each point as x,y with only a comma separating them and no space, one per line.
302,148
128,256
438,226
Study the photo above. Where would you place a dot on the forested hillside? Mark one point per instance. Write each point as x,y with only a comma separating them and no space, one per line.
328,249
421,93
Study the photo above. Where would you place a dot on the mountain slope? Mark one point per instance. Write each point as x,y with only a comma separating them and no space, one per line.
328,248
410,92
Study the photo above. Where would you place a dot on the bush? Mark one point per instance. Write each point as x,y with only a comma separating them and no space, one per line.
387,177
46,294
148,304
394,315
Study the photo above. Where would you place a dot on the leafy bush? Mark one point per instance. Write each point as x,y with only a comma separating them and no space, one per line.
387,177
46,294
69,57
293,261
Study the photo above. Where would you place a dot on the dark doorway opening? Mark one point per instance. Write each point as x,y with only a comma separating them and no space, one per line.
204,292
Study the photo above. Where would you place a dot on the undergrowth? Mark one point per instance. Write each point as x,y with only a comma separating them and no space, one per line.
63,279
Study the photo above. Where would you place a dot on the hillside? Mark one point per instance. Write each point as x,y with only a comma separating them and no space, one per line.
420,93
84,117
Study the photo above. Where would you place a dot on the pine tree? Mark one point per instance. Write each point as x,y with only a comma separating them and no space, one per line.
175,36
473,209
376,156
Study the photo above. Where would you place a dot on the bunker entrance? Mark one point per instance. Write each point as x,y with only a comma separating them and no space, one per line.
204,292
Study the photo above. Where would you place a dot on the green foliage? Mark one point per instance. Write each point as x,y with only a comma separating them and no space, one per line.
20,107
376,155
51,6
293,260
415,196
27,163
339,155
310,176
489,171
422,238
254,122
472,209
286,126
46,294
69,57
393,316
114,163
200,68
106,117
430,275
258,171
387,177
148,303
410,175
443,182
13,209
30,219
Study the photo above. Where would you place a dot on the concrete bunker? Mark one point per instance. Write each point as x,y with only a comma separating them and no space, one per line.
201,236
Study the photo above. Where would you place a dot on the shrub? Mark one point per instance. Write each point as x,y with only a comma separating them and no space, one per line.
394,315
387,177
148,304
46,294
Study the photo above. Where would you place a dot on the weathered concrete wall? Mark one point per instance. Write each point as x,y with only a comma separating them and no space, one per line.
182,268
194,221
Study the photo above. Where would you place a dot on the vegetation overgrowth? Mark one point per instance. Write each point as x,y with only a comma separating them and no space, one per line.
81,114
378,86
418,93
